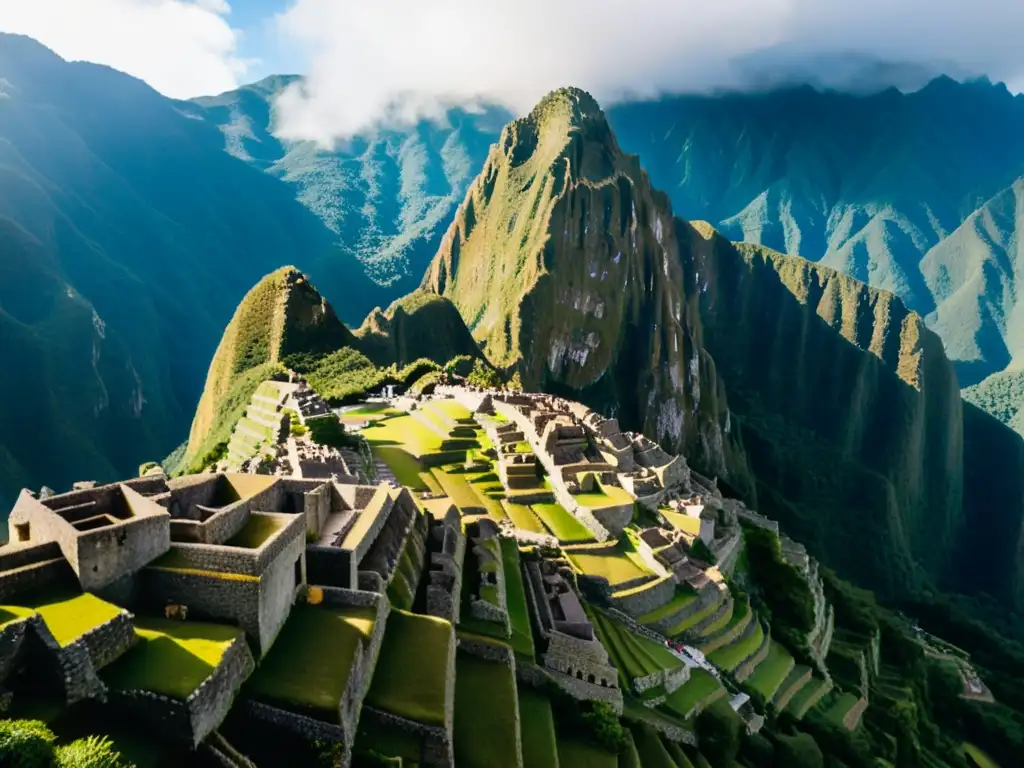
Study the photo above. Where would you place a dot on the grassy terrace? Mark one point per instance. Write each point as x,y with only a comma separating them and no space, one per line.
10,613
563,526
804,698
413,690
651,751
172,657
634,655
485,712
682,522
698,688
365,521
453,409
840,707
537,729
575,753
770,673
607,496
404,432
740,618
368,411
307,669
523,517
732,655
515,597
67,616
406,467
683,597
257,531
696,618
618,566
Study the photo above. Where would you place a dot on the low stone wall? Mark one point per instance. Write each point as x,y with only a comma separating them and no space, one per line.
645,598
748,665
110,640
498,652
12,637
330,567
44,575
210,703
71,665
705,598
586,691
438,747
783,697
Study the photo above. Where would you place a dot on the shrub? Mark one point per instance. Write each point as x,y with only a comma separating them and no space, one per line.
484,376
25,744
327,430
459,366
515,384
298,429
91,752
718,731
218,452
799,751
144,468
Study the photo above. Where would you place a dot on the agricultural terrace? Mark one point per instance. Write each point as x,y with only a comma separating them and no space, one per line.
388,741
634,655
11,613
537,728
701,686
367,411
681,522
515,599
406,432
683,597
770,673
453,409
698,616
406,467
258,530
806,697
469,491
486,708
413,690
308,666
607,496
523,517
69,616
650,749
841,707
172,657
730,656
617,566
563,526
575,753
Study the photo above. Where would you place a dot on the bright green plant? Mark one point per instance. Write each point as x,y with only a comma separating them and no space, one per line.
90,752
25,744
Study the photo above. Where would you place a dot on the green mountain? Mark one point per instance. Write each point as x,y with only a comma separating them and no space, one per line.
283,314
802,389
128,236
386,195
917,193
418,326
1002,395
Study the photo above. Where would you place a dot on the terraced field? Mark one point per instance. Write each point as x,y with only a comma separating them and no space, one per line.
563,526
537,728
682,598
618,566
732,655
486,712
699,689
771,672
807,697
634,655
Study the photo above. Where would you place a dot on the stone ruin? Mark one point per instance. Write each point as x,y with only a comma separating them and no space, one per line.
573,655
444,588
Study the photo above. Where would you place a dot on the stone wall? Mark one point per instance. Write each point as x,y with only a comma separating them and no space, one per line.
330,567
646,598
42,575
438,747
748,665
278,585
110,640
70,666
498,652
12,637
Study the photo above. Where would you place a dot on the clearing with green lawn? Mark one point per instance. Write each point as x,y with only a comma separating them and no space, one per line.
486,709
307,668
608,496
406,467
731,656
515,597
617,566
405,432
701,686
172,657
415,691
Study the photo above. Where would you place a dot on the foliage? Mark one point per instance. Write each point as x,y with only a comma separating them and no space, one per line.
462,365
25,744
144,468
592,721
799,751
515,384
483,376
783,588
90,752
701,551
346,375
718,731
328,430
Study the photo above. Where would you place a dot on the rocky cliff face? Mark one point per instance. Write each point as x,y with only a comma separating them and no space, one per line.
822,401
848,407
282,314
564,263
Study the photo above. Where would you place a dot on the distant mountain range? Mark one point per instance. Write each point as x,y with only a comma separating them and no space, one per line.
141,222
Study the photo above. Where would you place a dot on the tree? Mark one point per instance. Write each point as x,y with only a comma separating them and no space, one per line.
26,744
515,384
718,732
484,376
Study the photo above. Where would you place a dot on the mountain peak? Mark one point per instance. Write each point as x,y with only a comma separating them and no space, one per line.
574,105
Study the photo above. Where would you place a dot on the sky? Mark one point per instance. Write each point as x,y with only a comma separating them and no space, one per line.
372,61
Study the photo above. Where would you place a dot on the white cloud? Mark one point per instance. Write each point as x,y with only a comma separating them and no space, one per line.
180,47
394,59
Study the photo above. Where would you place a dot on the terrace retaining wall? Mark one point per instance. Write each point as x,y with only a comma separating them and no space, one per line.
646,598
109,640
438,749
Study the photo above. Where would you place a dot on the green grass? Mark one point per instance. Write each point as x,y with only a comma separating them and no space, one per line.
682,522
453,409
770,673
486,728
652,752
360,413
524,518
68,617
978,756
537,729
800,702
9,613
515,597
573,752
609,496
696,618
365,521
412,669
699,687
840,707
617,566
309,664
257,531
388,740
171,657
406,467
636,656
457,488
682,598
629,757
562,525
404,432
730,656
